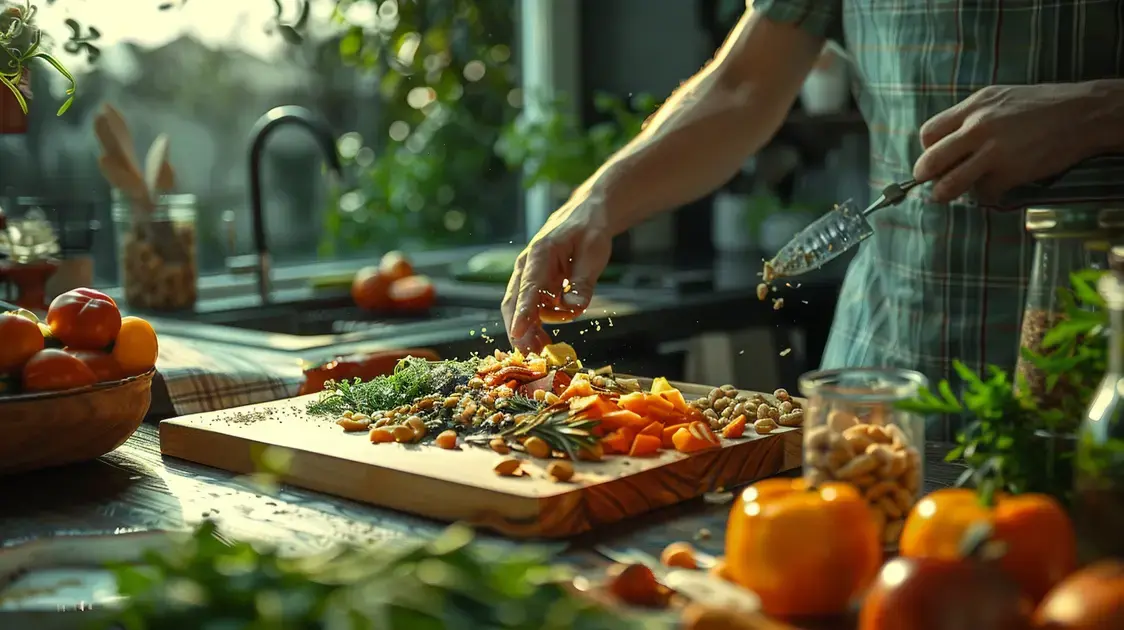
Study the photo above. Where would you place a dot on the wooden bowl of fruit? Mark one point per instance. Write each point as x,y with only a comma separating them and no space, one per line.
75,386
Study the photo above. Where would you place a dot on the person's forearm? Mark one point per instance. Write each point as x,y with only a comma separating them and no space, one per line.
1107,115
703,134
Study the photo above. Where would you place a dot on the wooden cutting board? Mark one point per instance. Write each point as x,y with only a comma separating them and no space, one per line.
459,485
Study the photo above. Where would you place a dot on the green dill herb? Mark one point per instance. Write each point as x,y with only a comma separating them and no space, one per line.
413,378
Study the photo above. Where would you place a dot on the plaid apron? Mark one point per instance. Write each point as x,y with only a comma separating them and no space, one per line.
941,282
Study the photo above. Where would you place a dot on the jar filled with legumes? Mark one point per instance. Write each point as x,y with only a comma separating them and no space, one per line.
853,433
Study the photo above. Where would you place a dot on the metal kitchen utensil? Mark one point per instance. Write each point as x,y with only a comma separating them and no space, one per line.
698,586
833,233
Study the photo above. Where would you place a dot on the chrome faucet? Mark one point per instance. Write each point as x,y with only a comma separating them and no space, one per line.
278,116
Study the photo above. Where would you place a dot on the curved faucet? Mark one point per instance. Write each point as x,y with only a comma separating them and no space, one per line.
274,118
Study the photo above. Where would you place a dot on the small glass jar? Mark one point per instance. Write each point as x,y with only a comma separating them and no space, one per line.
1099,460
157,264
854,433
1066,240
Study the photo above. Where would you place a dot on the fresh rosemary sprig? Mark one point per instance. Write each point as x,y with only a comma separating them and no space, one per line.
413,378
555,426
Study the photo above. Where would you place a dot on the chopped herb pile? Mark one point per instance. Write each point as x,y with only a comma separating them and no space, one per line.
413,378
207,584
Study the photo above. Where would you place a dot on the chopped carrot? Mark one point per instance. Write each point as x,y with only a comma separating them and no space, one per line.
577,387
594,406
654,429
669,431
513,385
660,385
694,414
675,397
657,403
619,441
635,402
623,418
694,437
735,429
644,445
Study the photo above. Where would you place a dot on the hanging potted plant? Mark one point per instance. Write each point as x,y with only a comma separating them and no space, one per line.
20,42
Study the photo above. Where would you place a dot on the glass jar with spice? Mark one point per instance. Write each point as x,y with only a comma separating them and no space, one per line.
157,264
1099,465
1066,240
853,432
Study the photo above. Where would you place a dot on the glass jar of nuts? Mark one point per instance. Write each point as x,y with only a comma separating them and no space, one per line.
853,433
157,265
765,413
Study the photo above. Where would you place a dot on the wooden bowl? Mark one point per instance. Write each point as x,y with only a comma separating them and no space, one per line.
48,429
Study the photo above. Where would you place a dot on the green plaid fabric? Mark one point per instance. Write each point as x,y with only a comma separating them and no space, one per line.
941,282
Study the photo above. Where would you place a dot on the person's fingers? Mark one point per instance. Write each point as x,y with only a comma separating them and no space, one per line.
962,177
586,267
945,155
534,279
511,296
947,122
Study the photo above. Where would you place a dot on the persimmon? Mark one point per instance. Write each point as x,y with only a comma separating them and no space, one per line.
371,290
1040,540
1090,599
21,340
413,293
136,348
395,266
804,552
102,364
84,319
53,370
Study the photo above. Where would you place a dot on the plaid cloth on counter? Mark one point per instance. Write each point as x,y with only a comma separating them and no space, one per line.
206,376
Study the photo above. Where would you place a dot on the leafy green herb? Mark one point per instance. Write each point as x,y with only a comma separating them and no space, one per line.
412,378
555,426
1009,442
210,583
20,42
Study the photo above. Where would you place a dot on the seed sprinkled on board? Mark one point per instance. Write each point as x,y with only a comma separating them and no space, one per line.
785,352
778,304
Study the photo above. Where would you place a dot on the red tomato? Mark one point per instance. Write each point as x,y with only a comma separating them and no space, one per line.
415,293
54,370
84,319
370,289
102,364
395,265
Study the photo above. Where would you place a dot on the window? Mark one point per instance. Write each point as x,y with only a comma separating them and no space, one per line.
416,91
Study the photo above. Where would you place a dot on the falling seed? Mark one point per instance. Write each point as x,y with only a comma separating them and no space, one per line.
610,322
762,291
803,301
555,331
778,304
784,353
471,333
741,352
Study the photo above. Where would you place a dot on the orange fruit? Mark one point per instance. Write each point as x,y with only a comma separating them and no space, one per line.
136,348
395,266
54,370
371,289
21,340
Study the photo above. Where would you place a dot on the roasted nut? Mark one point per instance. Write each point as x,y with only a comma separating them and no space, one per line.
858,439
381,436
781,395
764,426
560,471
840,421
857,467
763,411
446,439
793,418
403,434
507,467
537,447
594,453
762,291
786,407
499,445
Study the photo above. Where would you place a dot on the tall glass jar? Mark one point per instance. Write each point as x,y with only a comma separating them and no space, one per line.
853,433
1066,240
157,264
1099,467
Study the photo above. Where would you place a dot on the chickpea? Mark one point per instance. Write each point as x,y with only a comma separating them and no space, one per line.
403,434
560,471
447,440
537,447
417,424
451,402
507,467
381,436
499,445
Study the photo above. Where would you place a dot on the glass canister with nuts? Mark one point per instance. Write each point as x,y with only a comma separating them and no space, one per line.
854,434
157,264
764,412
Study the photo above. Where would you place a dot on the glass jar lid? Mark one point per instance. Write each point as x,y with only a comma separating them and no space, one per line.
863,385
1079,221
179,207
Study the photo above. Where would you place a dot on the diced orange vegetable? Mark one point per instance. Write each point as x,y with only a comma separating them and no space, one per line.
669,431
694,414
654,429
577,387
660,385
635,402
623,418
619,441
657,403
735,429
694,437
675,397
644,445
594,406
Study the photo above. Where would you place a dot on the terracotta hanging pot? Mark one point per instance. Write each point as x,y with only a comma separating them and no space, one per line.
12,117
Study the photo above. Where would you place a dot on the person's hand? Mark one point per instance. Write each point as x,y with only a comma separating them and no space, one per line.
1002,137
555,275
